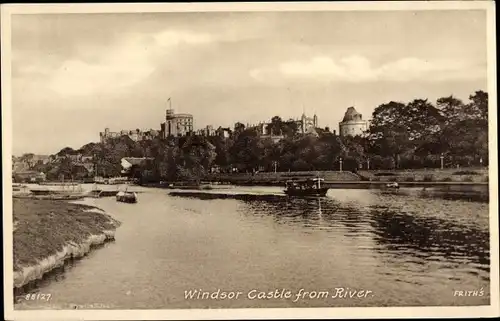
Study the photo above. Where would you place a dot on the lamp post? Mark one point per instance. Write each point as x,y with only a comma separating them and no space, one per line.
481,161
442,163
368,164
340,163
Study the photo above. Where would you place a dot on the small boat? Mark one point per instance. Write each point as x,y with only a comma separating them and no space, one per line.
126,197
17,187
59,191
308,187
392,185
95,193
189,186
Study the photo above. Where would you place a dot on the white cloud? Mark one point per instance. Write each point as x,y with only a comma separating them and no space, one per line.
120,65
173,38
359,69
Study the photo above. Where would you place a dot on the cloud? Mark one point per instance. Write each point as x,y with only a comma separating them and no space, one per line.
173,38
358,69
108,69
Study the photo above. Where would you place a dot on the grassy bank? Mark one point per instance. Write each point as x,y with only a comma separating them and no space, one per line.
417,175
48,232
472,175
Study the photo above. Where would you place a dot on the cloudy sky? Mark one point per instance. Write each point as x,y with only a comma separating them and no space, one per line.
75,74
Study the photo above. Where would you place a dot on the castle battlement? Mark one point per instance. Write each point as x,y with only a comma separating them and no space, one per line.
134,134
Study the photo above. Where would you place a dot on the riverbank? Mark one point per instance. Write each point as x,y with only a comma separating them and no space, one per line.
410,177
466,192
362,184
47,233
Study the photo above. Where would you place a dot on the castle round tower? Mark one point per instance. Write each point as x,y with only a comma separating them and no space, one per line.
352,124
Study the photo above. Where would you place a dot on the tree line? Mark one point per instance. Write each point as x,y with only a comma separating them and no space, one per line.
417,134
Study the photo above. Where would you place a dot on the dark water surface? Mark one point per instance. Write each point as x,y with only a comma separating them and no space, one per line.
406,249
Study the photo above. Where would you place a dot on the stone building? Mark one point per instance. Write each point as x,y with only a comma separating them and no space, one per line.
207,131
136,134
306,124
177,124
352,124
224,132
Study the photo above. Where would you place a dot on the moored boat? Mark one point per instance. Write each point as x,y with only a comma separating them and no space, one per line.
307,187
59,191
17,187
393,185
189,186
126,197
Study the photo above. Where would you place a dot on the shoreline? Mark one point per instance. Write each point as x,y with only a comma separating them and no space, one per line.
329,184
49,234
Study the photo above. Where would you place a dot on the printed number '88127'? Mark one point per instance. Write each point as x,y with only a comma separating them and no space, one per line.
38,296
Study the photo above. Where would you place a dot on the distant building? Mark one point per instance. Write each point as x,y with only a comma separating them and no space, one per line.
28,177
207,131
306,124
28,162
136,134
223,132
265,132
352,124
128,162
177,124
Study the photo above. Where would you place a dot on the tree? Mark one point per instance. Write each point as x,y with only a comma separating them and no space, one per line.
388,133
452,109
238,128
422,119
197,155
28,159
478,106
276,126
290,128
247,150
67,151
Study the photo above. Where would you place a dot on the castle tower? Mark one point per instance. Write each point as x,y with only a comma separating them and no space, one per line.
352,124
170,125
303,121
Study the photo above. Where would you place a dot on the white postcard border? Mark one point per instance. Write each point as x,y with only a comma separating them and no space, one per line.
289,313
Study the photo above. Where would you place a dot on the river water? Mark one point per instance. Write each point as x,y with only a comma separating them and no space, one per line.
399,248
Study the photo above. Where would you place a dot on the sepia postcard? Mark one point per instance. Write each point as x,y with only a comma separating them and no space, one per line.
303,160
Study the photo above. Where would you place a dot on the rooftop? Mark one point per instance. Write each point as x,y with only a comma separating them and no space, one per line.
352,114
136,160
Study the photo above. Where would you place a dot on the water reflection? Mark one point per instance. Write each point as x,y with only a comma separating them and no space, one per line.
57,274
432,239
398,224
465,193
410,250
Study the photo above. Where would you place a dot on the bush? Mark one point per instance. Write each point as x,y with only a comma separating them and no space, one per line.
468,179
385,174
375,179
428,178
409,179
465,173
486,179
393,179
364,178
447,179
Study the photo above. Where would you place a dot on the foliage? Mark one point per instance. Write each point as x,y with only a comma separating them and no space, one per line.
417,134
468,179
428,178
465,173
